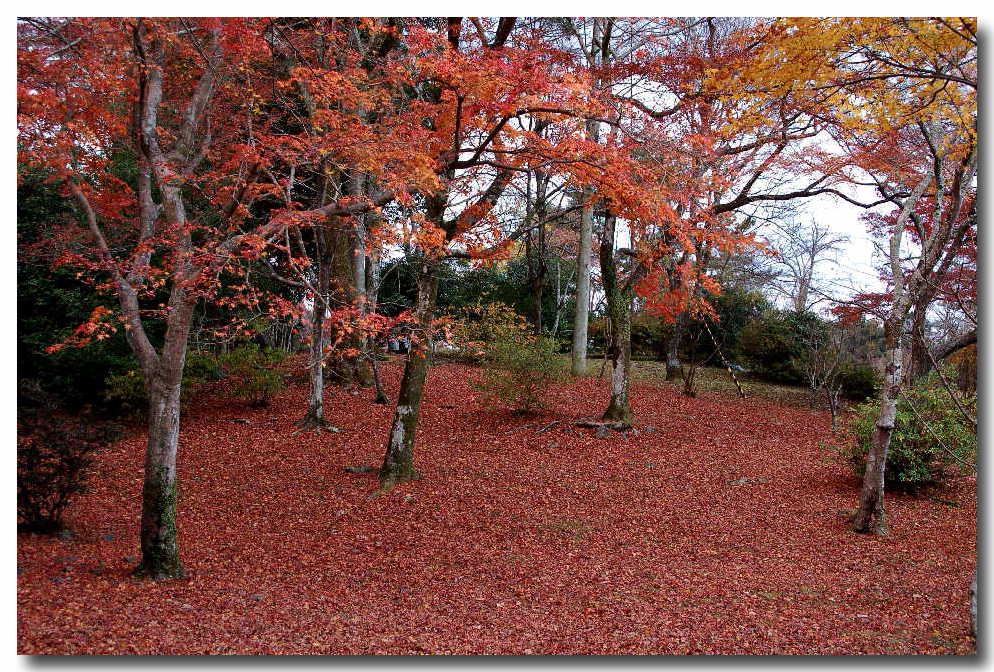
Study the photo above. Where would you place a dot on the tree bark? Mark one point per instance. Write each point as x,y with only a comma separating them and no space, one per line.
314,418
159,539
315,409
619,305
398,463
871,517
973,605
918,364
363,370
674,368
581,316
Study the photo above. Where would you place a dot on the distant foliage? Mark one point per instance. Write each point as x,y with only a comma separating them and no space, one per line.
859,382
54,456
774,344
52,302
125,392
256,374
923,449
519,372
203,367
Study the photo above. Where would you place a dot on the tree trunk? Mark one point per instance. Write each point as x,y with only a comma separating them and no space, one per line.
314,417
580,318
159,540
871,517
674,369
398,463
537,283
801,298
381,395
363,369
918,364
973,605
619,305
340,244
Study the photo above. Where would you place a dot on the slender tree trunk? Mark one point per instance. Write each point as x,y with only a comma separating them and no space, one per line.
871,517
159,540
381,395
619,306
315,409
537,283
398,463
801,298
340,241
918,364
314,418
363,369
973,605
580,318
372,299
674,369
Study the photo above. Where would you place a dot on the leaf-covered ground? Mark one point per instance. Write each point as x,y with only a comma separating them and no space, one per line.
718,527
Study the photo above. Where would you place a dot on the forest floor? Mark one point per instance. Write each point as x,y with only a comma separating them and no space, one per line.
718,525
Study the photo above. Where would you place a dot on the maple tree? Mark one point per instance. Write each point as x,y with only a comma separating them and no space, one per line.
479,84
182,96
903,96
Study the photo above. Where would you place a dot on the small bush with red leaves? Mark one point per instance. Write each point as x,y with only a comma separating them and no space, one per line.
53,462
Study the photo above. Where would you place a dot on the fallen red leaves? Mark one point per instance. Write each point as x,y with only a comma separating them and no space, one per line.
513,542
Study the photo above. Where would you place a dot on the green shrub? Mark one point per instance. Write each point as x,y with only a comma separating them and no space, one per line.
518,373
255,372
775,344
919,454
477,327
202,367
859,382
126,393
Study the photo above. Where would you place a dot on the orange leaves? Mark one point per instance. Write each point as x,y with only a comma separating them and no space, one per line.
97,328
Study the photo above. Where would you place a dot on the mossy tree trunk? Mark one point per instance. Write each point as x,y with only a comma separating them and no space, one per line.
618,295
159,538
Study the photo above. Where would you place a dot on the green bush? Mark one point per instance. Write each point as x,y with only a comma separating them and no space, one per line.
125,392
477,327
256,373
919,453
202,367
775,344
859,382
519,372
